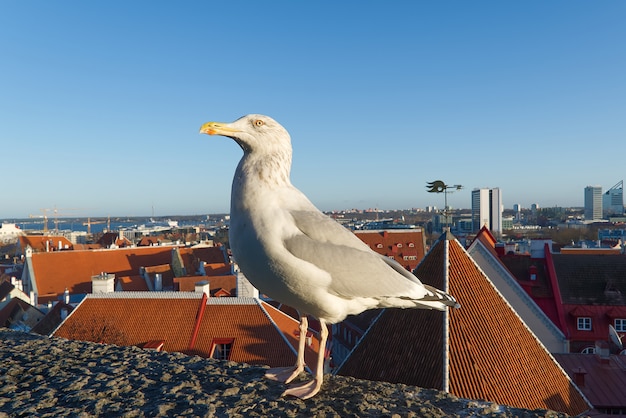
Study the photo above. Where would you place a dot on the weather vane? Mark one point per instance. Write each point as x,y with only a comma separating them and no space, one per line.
439,186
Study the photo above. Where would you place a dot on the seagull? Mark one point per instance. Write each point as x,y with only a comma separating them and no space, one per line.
295,254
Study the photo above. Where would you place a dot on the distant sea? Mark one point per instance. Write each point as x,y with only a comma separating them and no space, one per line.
36,225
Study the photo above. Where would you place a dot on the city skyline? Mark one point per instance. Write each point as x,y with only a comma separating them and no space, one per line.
61,213
102,103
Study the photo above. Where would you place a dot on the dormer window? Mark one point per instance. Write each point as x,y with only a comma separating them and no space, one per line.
411,245
399,245
221,348
583,323
620,324
379,245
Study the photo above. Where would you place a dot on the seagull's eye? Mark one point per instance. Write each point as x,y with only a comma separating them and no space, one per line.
258,123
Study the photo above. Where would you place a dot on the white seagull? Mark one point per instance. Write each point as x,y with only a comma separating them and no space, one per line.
295,254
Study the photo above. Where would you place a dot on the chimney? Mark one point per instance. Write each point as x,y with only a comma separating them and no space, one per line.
245,289
102,283
579,376
603,352
158,282
66,296
204,286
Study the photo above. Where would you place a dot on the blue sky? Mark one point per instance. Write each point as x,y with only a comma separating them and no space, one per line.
101,102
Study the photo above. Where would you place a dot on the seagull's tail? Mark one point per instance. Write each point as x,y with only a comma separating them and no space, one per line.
437,299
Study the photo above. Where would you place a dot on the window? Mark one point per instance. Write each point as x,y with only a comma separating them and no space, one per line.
411,245
399,245
221,348
584,323
620,324
379,245
588,350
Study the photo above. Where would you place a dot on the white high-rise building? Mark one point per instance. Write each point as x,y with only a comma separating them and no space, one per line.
593,203
487,210
613,200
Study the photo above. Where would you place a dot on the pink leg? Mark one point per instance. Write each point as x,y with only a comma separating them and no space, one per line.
310,389
287,374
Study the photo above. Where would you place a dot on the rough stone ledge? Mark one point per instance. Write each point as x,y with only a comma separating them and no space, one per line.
55,377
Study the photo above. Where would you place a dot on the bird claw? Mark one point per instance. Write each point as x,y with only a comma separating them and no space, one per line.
305,390
284,374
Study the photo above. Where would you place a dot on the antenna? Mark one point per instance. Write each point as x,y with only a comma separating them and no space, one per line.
614,336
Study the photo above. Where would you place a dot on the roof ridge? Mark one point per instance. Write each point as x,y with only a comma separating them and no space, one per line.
51,334
231,301
280,331
145,295
363,338
512,282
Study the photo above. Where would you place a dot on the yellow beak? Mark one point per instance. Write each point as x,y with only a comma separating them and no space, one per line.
217,128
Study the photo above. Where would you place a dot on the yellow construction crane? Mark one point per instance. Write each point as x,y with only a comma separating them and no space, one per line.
56,212
90,222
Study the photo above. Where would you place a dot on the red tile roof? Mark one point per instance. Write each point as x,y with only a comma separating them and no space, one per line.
591,279
493,355
404,246
136,318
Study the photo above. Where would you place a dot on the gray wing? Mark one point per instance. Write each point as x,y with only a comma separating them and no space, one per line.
356,270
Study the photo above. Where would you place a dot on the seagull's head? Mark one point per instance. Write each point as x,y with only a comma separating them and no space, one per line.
252,133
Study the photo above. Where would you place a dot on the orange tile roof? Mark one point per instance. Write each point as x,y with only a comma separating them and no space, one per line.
228,283
192,257
134,318
55,271
493,355
290,328
167,275
217,269
256,340
41,243
137,318
132,283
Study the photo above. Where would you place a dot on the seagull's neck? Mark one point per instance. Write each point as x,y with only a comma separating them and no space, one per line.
270,169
